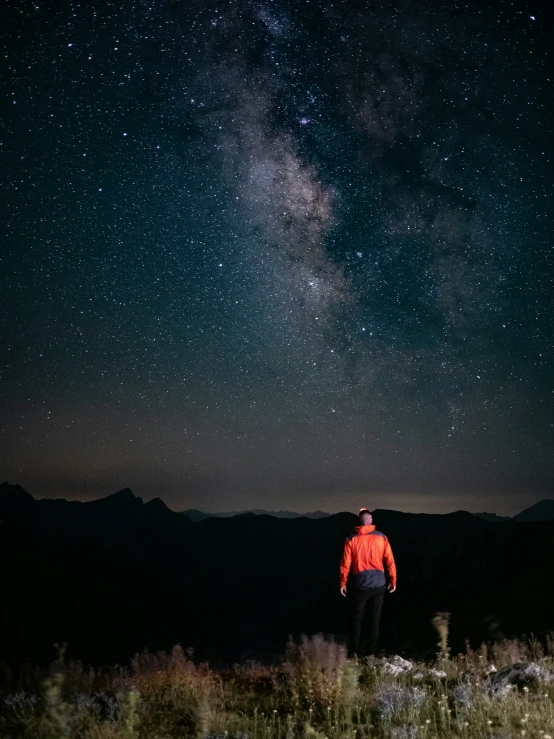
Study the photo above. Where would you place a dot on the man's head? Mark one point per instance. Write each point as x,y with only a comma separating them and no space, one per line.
365,517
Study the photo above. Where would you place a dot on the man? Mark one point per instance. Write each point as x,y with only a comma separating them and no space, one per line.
367,555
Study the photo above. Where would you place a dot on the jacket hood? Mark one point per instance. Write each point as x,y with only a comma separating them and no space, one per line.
365,529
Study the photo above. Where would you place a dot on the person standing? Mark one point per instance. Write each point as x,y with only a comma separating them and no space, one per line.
368,566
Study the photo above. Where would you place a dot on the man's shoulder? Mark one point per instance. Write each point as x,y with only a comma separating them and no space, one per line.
378,533
355,534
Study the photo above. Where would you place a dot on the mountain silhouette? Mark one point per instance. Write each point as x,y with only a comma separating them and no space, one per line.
541,511
114,576
492,517
15,500
195,515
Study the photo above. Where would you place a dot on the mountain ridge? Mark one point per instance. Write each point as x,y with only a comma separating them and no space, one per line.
197,515
125,500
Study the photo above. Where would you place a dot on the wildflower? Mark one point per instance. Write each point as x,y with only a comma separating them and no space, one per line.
489,722
462,693
395,698
20,700
405,731
525,689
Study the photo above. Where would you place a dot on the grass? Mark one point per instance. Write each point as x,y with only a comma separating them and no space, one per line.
314,692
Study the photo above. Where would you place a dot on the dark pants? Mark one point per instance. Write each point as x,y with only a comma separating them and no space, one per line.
366,603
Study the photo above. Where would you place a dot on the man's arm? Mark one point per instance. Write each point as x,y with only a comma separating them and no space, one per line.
345,563
390,565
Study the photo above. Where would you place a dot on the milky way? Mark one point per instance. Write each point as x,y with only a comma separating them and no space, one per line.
278,254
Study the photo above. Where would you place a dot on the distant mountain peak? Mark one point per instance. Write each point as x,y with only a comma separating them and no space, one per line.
157,504
124,494
7,489
193,514
541,511
196,515
491,517
123,501
15,498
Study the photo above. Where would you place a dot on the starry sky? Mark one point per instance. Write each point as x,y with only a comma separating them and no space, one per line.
278,254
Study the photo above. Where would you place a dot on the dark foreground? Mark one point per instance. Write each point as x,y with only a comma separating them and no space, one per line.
115,576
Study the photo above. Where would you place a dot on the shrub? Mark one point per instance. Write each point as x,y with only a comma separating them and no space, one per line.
314,692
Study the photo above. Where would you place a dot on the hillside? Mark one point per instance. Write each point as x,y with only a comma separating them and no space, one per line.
541,511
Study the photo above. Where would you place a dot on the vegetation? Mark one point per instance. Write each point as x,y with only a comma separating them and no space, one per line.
314,692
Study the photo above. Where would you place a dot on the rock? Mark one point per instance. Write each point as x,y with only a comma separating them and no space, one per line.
520,674
437,674
394,665
392,669
399,661
417,676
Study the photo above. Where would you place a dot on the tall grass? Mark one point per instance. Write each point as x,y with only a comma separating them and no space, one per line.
314,691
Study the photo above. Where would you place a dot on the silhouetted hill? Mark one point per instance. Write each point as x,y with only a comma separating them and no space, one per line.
15,500
492,517
195,515
158,508
113,576
541,511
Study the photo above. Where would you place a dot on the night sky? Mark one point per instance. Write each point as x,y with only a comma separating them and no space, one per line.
278,254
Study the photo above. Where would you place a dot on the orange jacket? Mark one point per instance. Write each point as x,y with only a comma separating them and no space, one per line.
366,554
